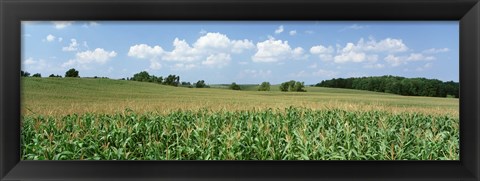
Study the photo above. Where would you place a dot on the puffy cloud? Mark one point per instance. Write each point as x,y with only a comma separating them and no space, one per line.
144,51
319,49
279,29
50,38
349,56
182,52
292,33
217,60
212,41
62,24
362,50
239,45
213,48
217,42
385,45
272,50
99,56
324,53
73,46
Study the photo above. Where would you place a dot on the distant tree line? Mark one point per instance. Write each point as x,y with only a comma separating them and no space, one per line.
397,85
172,80
69,73
144,76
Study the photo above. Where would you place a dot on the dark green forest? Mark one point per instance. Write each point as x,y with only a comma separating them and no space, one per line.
397,85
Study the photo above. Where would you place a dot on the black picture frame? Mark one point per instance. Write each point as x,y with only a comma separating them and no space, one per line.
12,12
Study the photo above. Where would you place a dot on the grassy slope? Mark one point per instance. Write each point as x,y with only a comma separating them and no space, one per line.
60,96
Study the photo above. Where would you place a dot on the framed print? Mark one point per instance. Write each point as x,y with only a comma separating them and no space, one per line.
247,90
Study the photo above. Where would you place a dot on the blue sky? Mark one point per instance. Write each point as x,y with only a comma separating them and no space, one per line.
242,51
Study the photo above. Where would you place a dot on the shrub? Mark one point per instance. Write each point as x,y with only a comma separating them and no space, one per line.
72,73
234,86
265,86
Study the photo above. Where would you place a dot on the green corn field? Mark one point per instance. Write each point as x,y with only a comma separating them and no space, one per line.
290,134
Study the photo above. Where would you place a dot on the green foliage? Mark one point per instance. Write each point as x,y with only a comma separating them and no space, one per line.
289,134
52,75
72,73
397,85
172,80
186,84
37,75
293,86
299,87
144,76
24,74
234,86
265,86
200,84
284,86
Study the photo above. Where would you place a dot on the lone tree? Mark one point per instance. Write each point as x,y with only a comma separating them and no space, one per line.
71,73
200,84
37,75
265,86
234,86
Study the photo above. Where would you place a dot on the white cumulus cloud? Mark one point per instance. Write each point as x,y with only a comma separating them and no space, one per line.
50,38
272,50
73,46
217,60
292,33
211,49
324,53
279,29
144,51
98,56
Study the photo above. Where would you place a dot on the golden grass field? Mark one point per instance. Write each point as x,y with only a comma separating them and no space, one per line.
54,96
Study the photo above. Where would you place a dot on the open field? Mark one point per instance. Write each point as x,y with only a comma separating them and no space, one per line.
111,119
54,96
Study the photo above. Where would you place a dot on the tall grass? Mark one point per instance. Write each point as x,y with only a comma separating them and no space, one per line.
268,134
